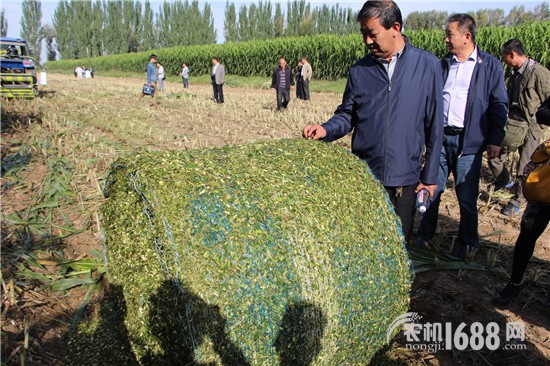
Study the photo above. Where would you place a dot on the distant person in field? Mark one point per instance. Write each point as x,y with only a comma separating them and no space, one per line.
152,77
78,72
307,73
299,81
282,82
88,74
393,105
92,71
75,72
185,76
475,105
160,76
218,78
528,87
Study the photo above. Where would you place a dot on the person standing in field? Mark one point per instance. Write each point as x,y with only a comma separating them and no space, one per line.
185,76
393,105
282,82
298,76
307,73
528,87
475,105
152,77
78,72
92,71
217,76
160,76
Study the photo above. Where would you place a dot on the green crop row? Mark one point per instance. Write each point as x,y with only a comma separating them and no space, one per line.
331,56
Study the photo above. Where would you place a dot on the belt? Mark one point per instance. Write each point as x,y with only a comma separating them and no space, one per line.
453,131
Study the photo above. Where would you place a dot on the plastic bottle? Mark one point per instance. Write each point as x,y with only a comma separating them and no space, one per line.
422,200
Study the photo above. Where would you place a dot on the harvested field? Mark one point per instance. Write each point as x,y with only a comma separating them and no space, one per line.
57,150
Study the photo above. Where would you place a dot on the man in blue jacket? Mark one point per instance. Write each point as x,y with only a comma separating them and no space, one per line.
475,108
152,77
393,104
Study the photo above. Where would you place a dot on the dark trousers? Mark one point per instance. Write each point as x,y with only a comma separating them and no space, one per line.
403,200
218,91
466,170
185,83
283,97
533,223
299,88
305,87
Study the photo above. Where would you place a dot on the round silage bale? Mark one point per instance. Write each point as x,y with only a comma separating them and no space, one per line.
275,253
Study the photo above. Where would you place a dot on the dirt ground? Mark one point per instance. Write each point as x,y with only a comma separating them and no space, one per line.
89,123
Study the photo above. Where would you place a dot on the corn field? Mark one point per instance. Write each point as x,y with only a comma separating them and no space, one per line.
331,56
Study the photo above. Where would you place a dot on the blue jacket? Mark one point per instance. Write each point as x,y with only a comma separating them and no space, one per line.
151,73
486,106
395,122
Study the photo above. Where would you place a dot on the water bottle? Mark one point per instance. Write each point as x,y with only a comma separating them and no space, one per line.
422,200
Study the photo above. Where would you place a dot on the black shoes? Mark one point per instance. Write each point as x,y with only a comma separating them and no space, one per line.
508,293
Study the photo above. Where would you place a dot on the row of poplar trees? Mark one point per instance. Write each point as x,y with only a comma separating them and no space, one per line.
94,28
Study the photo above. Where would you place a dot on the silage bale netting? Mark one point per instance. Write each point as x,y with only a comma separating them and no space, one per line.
276,253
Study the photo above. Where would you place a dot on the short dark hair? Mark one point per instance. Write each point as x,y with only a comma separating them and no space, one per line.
465,22
387,11
215,58
153,56
513,45
304,58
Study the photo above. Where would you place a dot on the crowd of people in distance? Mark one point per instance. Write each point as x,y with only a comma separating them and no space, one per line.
81,72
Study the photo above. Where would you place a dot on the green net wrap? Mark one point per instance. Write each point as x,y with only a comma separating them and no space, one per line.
276,253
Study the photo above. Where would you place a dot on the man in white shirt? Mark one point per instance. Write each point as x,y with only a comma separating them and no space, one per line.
475,105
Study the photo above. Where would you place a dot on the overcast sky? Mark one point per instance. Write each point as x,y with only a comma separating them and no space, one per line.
13,9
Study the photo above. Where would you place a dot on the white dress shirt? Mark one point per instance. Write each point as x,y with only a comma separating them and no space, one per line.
455,91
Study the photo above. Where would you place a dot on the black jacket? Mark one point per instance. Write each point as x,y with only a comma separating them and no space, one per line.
277,76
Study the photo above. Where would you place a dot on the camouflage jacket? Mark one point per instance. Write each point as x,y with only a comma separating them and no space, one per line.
534,90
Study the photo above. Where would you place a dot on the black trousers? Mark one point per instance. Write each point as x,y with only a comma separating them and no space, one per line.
218,91
403,200
533,223
305,87
283,98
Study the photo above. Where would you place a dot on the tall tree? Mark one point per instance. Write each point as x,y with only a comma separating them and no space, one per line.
541,13
48,33
61,25
243,24
148,35
3,25
517,15
230,32
279,21
31,25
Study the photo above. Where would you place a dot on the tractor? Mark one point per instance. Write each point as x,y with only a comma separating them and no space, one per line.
17,69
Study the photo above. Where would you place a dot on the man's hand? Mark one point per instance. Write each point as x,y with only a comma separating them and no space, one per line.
316,132
292,87
493,151
431,188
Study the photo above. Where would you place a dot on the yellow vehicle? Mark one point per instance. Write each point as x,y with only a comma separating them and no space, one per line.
17,70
